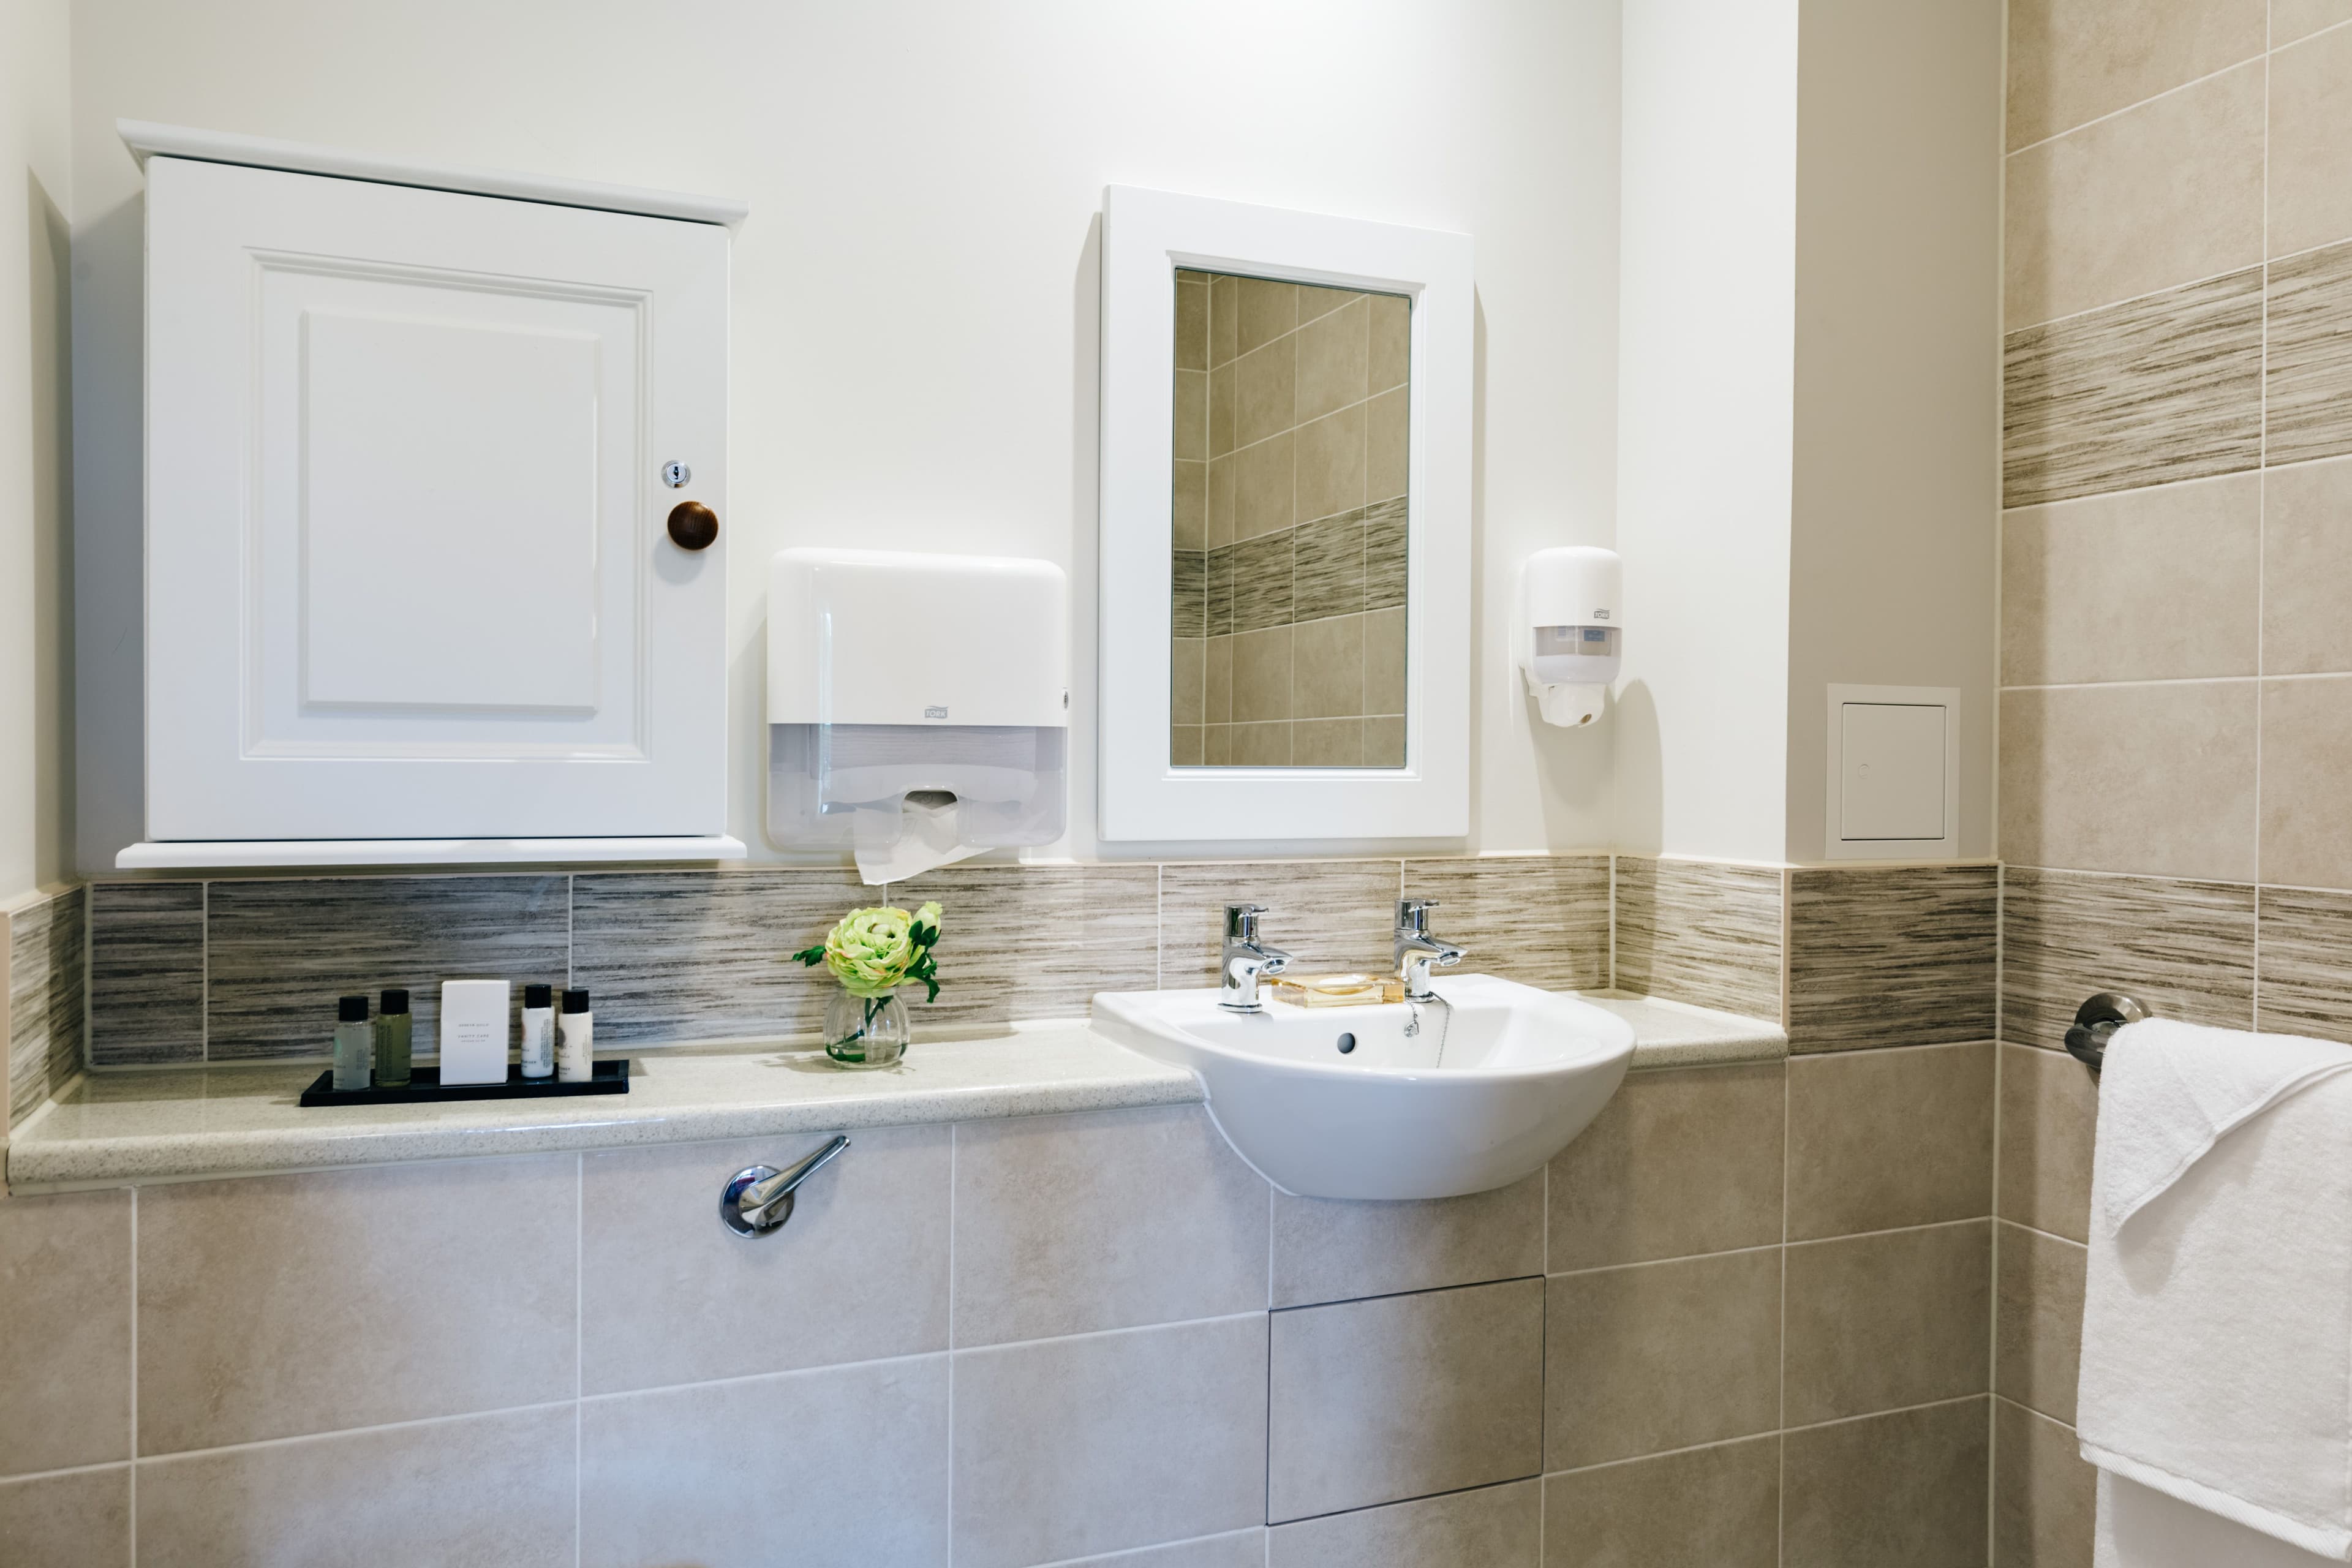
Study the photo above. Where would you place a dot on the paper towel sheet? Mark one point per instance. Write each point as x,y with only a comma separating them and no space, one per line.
915,837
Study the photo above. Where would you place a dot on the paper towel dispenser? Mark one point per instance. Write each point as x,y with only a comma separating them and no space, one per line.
917,705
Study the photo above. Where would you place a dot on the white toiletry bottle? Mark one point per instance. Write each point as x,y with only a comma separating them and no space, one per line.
575,1040
538,1032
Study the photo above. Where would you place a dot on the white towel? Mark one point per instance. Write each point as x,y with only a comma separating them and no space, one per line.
2217,1324
2143,1529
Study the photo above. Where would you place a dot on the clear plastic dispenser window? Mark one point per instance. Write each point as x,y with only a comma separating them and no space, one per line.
917,705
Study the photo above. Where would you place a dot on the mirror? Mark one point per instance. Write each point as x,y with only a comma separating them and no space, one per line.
1288,572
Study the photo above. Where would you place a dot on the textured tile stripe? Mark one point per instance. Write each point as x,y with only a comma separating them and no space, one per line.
2186,950
1700,931
1035,942
146,973
2150,391
2307,379
2305,971
44,998
1541,921
1901,956
1188,607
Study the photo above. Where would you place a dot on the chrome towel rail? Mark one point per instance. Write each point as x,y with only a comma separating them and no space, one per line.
2094,1021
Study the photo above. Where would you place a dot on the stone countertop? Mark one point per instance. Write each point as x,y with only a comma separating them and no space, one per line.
178,1124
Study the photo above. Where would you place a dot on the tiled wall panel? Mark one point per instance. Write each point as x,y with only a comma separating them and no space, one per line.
146,973
1700,931
45,940
1903,956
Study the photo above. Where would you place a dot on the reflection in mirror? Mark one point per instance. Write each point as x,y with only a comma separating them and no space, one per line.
1288,577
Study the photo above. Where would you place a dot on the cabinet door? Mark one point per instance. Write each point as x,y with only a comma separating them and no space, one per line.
408,573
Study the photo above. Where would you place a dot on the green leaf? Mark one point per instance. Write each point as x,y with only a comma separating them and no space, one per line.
930,986
811,955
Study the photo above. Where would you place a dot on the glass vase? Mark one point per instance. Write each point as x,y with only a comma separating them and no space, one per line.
865,1031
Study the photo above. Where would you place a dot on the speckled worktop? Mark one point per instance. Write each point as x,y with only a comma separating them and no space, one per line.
113,1128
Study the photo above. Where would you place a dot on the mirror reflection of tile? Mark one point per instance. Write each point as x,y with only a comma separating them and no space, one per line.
1287,580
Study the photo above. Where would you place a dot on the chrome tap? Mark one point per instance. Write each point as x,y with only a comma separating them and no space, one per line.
1246,959
1416,950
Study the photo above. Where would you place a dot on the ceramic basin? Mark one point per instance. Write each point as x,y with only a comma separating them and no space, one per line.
1404,1100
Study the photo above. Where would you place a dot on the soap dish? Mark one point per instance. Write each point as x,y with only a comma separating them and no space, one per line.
1338,990
425,1084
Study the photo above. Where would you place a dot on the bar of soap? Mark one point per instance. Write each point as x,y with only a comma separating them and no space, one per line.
474,1030
1338,990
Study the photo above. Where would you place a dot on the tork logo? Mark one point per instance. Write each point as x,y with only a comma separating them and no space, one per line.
935,712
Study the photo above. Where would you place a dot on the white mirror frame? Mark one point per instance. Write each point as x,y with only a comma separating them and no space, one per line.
1147,235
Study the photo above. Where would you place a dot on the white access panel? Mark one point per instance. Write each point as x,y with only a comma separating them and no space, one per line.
408,575
1894,773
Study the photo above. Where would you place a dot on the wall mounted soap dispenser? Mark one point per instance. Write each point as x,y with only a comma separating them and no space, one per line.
1569,635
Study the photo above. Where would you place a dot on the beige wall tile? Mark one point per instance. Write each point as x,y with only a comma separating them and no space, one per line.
1494,1527
1391,340
2049,1114
2045,1495
668,1295
2038,1342
1067,1224
1184,745
1327,914
2306,544
1217,745
1103,1442
1225,319
2311,143
1267,309
2303,962
1384,742
689,1475
1384,651
1676,1164
1219,505
413,1291
1188,677
65,1331
1262,488
1317,301
1192,321
1217,681
81,1520
1265,396
1261,745
2166,790
1190,426
1332,1250
1332,358
2293,19
1400,1396
1220,412
1877,1322
1326,743
480,1489
1261,675
2307,758
1903,953
1541,919
1331,465
2073,60
1700,931
2161,195
2152,585
1388,444
2149,392
1888,1137
1720,1506
2186,950
1189,518
1906,1487
1661,1355
1327,668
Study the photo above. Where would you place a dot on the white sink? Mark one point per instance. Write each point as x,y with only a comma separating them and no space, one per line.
1422,1105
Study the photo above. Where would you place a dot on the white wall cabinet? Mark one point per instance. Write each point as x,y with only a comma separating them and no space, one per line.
411,591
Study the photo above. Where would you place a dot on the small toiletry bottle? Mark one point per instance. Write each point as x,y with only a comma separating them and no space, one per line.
538,1032
575,1044
392,1039
353,1038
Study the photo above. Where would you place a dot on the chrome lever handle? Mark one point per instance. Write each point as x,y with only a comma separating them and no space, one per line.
759,1198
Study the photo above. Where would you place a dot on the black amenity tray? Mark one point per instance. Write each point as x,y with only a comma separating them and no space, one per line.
610,1077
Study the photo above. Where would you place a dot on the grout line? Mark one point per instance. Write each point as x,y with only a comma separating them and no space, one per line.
1429,1290
1898,1410
1134,1553
1535,1476
1689,1448
1780,1382
579,1322
386,1427
93,1467
2045,1234
2152,97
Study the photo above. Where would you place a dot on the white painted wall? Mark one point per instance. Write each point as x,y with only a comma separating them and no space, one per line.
1898,430
35,546
1705,347
913,301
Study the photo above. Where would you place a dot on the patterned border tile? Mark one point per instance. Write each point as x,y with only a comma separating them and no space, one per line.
44,998
1328,915
1035,942
146,973
1700,931
2184,949
2307,375
1541,919
2303,965
1900,956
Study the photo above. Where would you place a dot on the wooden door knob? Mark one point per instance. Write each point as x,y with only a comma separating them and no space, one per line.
692,525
